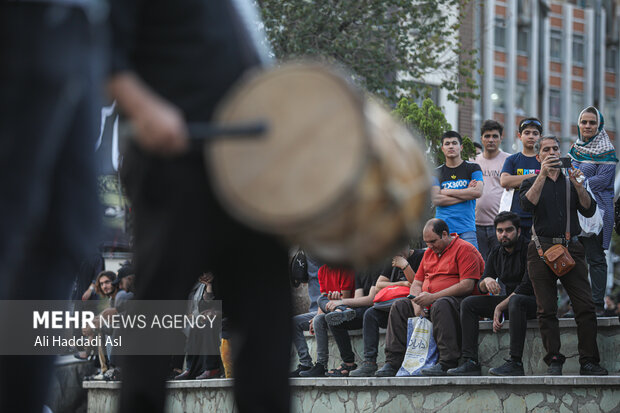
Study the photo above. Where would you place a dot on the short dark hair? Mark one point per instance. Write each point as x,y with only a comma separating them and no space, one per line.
439,226
452,134
491,124
538,143
527,122
477,145
507,216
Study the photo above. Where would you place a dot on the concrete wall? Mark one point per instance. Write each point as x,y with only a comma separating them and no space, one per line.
446,394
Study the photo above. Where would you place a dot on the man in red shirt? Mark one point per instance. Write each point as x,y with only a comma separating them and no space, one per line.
447,274
335,284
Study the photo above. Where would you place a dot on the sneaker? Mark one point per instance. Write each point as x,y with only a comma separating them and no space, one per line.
510,368
387,371
468,368
367,369
592,369
299,369
318,370
555,368
437,370
335,318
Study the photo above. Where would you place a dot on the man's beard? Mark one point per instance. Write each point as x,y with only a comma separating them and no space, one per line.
508,243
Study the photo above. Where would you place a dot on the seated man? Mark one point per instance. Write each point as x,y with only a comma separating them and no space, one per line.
401,271
334,284
448,272
508,263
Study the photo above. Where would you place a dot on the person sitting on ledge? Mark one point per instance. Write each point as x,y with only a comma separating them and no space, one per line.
447,274
507,263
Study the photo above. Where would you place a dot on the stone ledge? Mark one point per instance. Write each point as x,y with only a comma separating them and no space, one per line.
351,382
565,323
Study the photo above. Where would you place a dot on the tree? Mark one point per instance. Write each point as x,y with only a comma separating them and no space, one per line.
430,122
388,45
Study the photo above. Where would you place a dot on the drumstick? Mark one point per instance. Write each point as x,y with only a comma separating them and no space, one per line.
209,131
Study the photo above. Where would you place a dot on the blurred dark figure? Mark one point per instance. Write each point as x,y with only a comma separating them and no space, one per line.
50,77
172,63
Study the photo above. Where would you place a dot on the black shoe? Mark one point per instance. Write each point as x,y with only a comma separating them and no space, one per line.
468,368
387,371
318,370
437,370
555,368
510,368
299,369
367,369
335,318
592,369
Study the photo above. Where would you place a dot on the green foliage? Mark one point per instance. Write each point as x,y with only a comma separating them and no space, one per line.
430,122
387,45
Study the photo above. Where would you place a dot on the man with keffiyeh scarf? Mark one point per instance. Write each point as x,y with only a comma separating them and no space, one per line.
595,156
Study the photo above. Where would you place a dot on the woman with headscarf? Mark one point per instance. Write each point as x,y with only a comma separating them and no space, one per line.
595,156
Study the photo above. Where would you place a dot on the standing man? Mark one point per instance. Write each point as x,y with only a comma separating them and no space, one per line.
449,271
456,187
50,82
521,166
545,197
491,161
507,263
172,63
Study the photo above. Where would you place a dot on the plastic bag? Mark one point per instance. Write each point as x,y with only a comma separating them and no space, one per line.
593,225
505,203
421,350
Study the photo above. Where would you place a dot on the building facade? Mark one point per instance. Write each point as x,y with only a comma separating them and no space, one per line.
547,59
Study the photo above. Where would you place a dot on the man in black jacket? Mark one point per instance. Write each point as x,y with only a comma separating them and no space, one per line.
507,263
173,61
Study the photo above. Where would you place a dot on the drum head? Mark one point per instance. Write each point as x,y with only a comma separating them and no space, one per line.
310,158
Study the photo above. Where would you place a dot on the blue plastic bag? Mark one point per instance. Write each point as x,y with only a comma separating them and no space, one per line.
421,350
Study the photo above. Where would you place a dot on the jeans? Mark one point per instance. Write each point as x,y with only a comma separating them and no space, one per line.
520,309
595,256
373,319
341,334
487,239
314,290
301,323
576,284
470,236
322,343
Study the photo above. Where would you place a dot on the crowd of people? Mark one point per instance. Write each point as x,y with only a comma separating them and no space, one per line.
496,217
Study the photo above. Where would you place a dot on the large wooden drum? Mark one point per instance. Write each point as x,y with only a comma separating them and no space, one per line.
334,173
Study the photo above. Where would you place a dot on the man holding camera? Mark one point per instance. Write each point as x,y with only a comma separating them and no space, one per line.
545,197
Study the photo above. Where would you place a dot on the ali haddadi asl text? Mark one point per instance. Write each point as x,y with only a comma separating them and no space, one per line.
59,341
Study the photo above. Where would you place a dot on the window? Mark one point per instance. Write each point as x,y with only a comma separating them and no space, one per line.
577,105
426,91
500,33
611,106
578,49
498,95
522,101
523,40
611,58
555,46
555,105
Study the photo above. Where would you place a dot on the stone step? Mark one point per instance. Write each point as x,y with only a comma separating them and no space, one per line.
536,394
494,347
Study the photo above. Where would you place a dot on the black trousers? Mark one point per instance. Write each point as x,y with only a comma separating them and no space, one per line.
576,284
180,232
446,330
520,309
50,75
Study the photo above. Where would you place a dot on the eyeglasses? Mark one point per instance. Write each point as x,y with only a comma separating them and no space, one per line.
529,122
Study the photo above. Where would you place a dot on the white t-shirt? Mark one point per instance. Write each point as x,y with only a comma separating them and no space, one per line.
487,206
